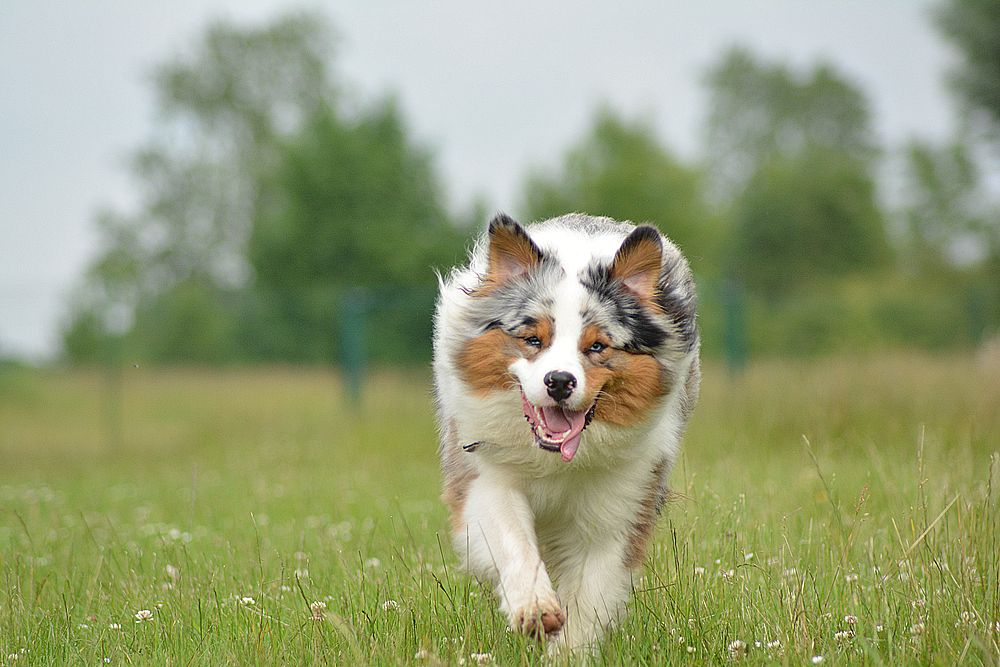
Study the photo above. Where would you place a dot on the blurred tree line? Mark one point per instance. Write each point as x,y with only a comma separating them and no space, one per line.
278,214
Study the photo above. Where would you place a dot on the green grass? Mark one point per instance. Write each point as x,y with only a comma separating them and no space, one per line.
223,485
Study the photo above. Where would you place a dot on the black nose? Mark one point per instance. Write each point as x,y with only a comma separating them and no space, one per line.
560,384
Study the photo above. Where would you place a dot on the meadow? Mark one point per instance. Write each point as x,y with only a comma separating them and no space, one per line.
841,511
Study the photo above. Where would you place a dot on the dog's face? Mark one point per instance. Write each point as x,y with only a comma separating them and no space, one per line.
581,338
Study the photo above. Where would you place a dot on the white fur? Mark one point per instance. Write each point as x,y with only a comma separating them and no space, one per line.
551,535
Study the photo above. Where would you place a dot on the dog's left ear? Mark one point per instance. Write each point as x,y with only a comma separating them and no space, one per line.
512,252
637,262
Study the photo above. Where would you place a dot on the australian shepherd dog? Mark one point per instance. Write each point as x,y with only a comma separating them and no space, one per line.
565,366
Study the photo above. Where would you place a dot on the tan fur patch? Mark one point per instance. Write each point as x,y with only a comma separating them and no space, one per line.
511,254
641,530
630,385
638,266
457,472
543,329
485,360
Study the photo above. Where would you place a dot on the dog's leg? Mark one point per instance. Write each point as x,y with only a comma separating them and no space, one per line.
498,539
596,561
594,585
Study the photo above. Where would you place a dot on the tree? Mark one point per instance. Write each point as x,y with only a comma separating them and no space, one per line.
973,26
222,114
620,169
265,197
946,217
760,110
804,219
791,153
354,205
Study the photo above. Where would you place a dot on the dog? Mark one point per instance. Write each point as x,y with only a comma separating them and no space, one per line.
566,365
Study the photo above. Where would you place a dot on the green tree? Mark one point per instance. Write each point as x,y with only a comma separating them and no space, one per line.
223,111
973,26
947,218
759,110
354,204
620,169
804,219
792,154
263,199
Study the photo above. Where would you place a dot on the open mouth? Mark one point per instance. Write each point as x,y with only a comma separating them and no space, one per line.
557,429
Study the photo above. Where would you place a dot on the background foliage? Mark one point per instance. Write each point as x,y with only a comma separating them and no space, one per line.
281,218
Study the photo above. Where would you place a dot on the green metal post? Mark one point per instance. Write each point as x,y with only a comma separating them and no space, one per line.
734,333
353,312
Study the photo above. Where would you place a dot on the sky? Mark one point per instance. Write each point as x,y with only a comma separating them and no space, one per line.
494,89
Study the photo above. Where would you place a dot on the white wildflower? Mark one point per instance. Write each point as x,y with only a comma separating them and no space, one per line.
247,601
173,572
879,627
728,574
115,626
737,649
851,619
747,557
757,643
317,609
301,573
691,649
817,659
422,654
83,626
996,627
776,644
843,635
851,577
390,605
107,660
481,658
286,588
143,615
699,571
966,618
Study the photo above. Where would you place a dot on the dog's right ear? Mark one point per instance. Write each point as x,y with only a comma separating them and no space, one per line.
512,252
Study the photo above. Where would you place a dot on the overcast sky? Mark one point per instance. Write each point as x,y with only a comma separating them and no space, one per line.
492,88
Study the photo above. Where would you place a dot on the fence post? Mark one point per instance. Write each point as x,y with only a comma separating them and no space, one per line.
353,312
734,332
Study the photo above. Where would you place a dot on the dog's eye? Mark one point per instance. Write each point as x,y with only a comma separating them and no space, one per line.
533,341
597,346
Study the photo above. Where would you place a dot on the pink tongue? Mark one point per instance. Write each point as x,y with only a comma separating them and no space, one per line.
556,418
568,449
560,421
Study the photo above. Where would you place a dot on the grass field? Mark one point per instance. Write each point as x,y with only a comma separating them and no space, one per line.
846,509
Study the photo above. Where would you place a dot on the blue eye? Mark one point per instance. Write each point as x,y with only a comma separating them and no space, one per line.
533,341
597,346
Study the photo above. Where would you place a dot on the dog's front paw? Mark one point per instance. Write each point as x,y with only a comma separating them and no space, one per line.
538,619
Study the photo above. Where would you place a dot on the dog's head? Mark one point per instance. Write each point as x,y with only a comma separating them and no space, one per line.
582,333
